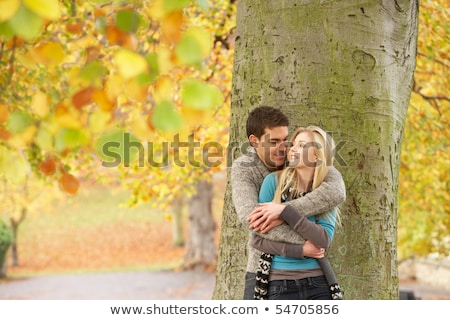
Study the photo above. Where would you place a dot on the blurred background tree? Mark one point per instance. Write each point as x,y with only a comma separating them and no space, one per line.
424,188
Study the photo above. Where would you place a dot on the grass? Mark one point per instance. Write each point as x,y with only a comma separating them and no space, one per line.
91,232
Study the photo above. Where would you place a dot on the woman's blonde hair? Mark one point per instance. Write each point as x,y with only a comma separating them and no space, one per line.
289,179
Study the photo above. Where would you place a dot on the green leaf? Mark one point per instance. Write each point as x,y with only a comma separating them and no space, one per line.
171,5
93,70
128,21
193,46
188,51
18,121
166,118
118,147
26,23
200,95
101,23
6,32
203,4
153,70
70,138
44,139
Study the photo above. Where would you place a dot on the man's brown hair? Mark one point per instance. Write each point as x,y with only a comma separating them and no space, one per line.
264,117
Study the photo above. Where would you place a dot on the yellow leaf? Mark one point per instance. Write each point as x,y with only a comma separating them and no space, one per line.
129,63
24,138
164,60
68,119
139,126
163,89
4,112
50,54
155,9
172,26
136,92
44,139
39,104
193,117
100,97
48,9
8,9
114,87
12,165
98,120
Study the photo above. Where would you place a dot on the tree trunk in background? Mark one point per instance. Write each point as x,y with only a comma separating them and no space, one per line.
178,222
201,247
346,66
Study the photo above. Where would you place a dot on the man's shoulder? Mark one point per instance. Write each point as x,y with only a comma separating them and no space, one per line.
246,161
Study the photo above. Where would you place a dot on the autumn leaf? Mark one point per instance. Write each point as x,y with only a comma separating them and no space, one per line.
100,97
48,9
82,97
3,113
18,120
199,95
8,8
26,23
39,104
172,26
70,138
48,166
69,183
165,118
195,44
128,20
12,165
129,63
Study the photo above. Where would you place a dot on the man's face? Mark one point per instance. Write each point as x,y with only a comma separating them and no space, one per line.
271,147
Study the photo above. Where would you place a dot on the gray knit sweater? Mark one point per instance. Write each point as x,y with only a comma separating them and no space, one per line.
247,175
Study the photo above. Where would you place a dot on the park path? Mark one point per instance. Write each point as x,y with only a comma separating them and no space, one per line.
144,285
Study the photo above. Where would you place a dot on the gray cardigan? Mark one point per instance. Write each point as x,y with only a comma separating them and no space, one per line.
247,175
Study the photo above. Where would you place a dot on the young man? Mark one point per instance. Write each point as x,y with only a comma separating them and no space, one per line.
267,132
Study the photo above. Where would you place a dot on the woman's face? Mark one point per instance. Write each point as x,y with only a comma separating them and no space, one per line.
302,153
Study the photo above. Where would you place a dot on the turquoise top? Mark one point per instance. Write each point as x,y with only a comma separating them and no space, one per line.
266,194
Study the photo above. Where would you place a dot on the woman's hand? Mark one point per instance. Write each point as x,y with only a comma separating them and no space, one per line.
310,250
265,217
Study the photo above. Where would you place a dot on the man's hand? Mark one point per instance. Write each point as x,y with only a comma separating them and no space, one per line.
265,217
310,250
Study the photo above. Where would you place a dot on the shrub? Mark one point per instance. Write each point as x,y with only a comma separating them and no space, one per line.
6,238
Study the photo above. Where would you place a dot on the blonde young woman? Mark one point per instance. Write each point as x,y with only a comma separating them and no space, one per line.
286,274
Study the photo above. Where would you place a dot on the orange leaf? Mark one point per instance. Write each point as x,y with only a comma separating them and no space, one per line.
82,97
114,35
101,99
75,27
48,166
172,26
69,183
51,53
4,134
3,113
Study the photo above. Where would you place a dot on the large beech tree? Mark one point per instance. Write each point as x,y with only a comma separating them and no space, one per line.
348,67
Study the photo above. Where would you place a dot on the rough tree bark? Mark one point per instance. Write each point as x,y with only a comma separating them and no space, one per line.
201,251
346,66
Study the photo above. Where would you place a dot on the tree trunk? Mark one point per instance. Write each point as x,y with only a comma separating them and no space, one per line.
346,66
200,251
178,222
15,224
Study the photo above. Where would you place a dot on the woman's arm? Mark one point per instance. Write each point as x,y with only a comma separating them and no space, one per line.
327,196
299,251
